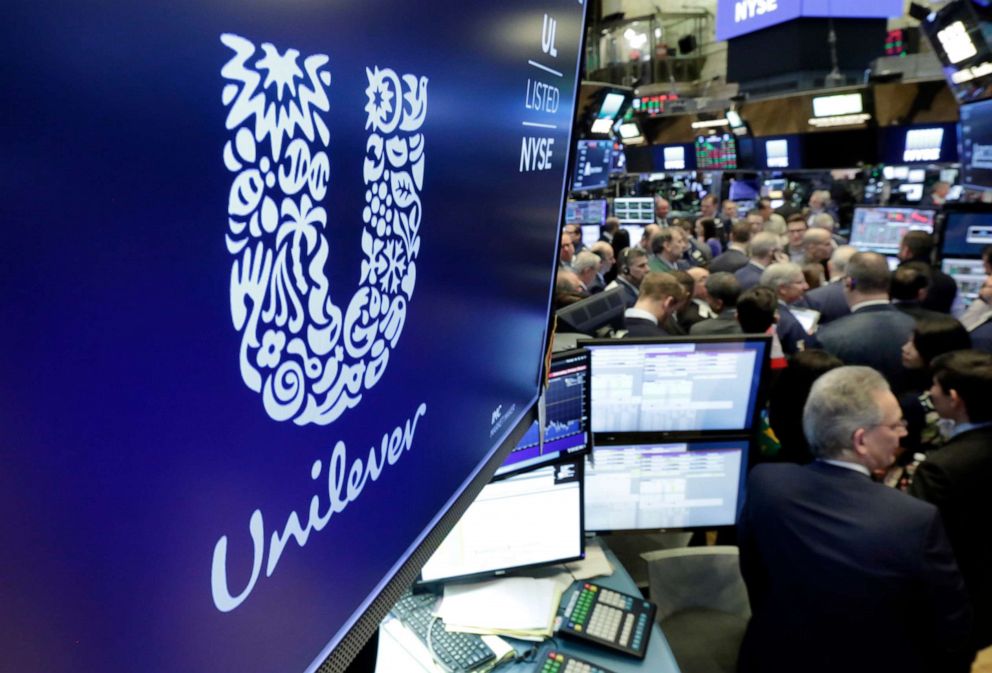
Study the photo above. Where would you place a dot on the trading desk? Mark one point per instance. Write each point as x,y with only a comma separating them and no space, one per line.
659,658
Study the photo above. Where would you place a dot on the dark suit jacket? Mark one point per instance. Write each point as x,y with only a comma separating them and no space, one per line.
725,323
830,301
790,332
748,276
917,311
642,327
956,478
981,337
942,289
871,336
846,575
729,261
688,317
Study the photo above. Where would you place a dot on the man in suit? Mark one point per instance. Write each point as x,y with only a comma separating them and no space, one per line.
722,291
697,308
918,246
956,478
606,261
764,247
667,247
843,573
633,268
829,299
786,279
875,331
736,255
908,290
659,294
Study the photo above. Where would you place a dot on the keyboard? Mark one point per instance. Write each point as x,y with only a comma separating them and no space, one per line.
556,662
455,652
608,618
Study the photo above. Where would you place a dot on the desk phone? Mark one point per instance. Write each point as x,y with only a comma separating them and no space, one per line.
608,618
557,662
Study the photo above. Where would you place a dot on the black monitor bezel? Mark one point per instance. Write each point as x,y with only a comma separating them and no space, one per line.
748,440
665,436
580,463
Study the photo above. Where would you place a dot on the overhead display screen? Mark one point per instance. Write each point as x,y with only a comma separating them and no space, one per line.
778,153
966,233
739,17
975,144
931,143
716,152
958,34
880,229
593,159
229,415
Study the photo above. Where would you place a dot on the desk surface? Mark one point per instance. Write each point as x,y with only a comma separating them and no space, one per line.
659,658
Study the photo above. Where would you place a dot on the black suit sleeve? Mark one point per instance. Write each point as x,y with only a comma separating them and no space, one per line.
930,483
950,617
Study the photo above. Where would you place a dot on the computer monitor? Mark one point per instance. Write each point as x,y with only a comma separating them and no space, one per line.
593,159
966,233
586,212
975,141
562,428
651,485
229,231
880,229
529,519
634,210
591,234
969,274
716,152
675,385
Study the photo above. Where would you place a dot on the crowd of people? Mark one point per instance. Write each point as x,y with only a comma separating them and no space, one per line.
863,536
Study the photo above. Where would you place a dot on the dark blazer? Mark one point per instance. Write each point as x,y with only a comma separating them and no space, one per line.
729,261
917,311
981,337
956,478
725,323
748,276
689,316
846,575
871,336
630,293
642,327
830,301
790,331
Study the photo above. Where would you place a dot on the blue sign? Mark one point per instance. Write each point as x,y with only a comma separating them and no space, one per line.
255,339
739,17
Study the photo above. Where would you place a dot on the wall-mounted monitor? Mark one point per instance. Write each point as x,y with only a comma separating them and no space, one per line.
592,211
228,239
530,519
880,229
562,427
716,152
592,164
926,144
634,210
680,157
778,153
966,233
975,144
739,17
675,385
653,485
612,104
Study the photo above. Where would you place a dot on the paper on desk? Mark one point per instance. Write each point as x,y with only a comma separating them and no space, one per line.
595,564
512,604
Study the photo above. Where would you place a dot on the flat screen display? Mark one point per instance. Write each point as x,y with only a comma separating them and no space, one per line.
716,152
739,17
673,157
562,427
586,212
958,34
593,159
975,144
532,518
673,385
969,274
651,486
932,143
634,210
880,229
966,233
231,414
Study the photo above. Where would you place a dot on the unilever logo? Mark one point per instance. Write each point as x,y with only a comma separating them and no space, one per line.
309,356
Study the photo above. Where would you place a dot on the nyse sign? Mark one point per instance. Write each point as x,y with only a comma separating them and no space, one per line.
739,17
